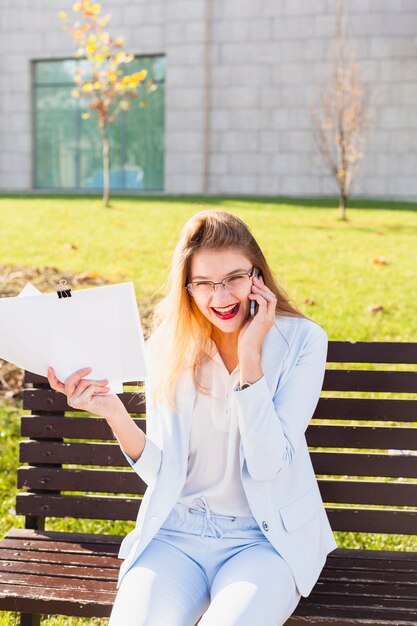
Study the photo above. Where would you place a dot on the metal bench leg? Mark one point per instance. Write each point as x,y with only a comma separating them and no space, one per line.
29,619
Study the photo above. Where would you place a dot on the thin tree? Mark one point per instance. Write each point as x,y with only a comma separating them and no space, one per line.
107,88
341,119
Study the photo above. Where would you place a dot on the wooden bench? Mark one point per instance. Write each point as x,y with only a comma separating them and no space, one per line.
44,572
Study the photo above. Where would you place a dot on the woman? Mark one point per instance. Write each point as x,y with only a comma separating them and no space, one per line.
232,526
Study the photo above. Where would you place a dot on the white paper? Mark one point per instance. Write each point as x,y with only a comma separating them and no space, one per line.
98,328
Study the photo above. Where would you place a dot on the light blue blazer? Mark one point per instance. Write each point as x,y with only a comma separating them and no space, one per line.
276,469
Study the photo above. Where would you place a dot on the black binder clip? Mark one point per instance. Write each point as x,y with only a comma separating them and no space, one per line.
63,293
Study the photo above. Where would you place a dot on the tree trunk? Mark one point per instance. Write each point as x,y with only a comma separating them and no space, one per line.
342,205
106,166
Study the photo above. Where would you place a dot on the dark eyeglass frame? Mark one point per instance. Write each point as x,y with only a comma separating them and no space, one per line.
189,286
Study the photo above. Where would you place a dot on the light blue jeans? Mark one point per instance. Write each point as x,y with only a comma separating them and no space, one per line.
219,567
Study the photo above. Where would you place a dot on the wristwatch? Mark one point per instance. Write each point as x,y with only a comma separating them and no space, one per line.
244,385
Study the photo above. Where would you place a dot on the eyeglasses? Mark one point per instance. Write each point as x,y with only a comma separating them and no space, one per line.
237,282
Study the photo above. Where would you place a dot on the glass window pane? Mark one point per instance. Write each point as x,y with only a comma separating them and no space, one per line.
55,137
55,71
145,139
68,149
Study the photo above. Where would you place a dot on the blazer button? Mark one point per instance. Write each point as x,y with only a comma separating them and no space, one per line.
265,525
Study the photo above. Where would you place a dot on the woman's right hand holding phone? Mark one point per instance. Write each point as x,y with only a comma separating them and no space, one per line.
87,395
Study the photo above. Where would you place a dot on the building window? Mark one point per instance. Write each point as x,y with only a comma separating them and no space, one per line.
68,149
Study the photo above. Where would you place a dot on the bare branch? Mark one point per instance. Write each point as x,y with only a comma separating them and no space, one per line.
341,118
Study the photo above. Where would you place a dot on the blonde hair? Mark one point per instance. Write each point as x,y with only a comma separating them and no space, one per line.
180,333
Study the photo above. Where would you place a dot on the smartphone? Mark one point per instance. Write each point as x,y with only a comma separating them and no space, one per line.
253,304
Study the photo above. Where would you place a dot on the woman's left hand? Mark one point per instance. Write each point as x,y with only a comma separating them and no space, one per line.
255,329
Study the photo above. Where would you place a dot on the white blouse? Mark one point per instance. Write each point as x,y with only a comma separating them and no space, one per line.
213,461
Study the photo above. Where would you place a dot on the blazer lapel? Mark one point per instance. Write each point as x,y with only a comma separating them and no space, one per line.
186,396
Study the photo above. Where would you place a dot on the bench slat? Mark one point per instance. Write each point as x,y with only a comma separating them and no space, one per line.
310,618
46,600
17,554
373,520
364,464
75,540
46,452
369,409
57,427
36,379
86,507
50,400
322,606
106,454
372,352
57,479
49,574
113,508
353,492
384,437
368,492
354,436
370,380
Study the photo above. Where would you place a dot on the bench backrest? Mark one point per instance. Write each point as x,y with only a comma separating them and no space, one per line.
67,454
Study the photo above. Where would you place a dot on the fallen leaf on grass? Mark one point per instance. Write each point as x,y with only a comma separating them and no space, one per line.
374,308
379,260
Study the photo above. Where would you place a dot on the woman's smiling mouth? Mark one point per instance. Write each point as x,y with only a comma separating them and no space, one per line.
227,312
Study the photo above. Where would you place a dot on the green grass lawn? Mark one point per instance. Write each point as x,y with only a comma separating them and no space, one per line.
314,255
334,270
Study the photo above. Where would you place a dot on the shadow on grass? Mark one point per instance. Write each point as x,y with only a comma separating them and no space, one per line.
224,200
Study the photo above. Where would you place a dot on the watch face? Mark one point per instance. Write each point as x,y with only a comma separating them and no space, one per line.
245,385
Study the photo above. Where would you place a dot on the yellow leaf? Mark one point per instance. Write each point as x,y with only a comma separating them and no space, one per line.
124,105
77,6
85,116
62,15
138,76
119,41
87,87
96,8
90,48
96,85
75,93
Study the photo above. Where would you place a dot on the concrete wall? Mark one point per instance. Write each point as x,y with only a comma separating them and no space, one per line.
241,78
